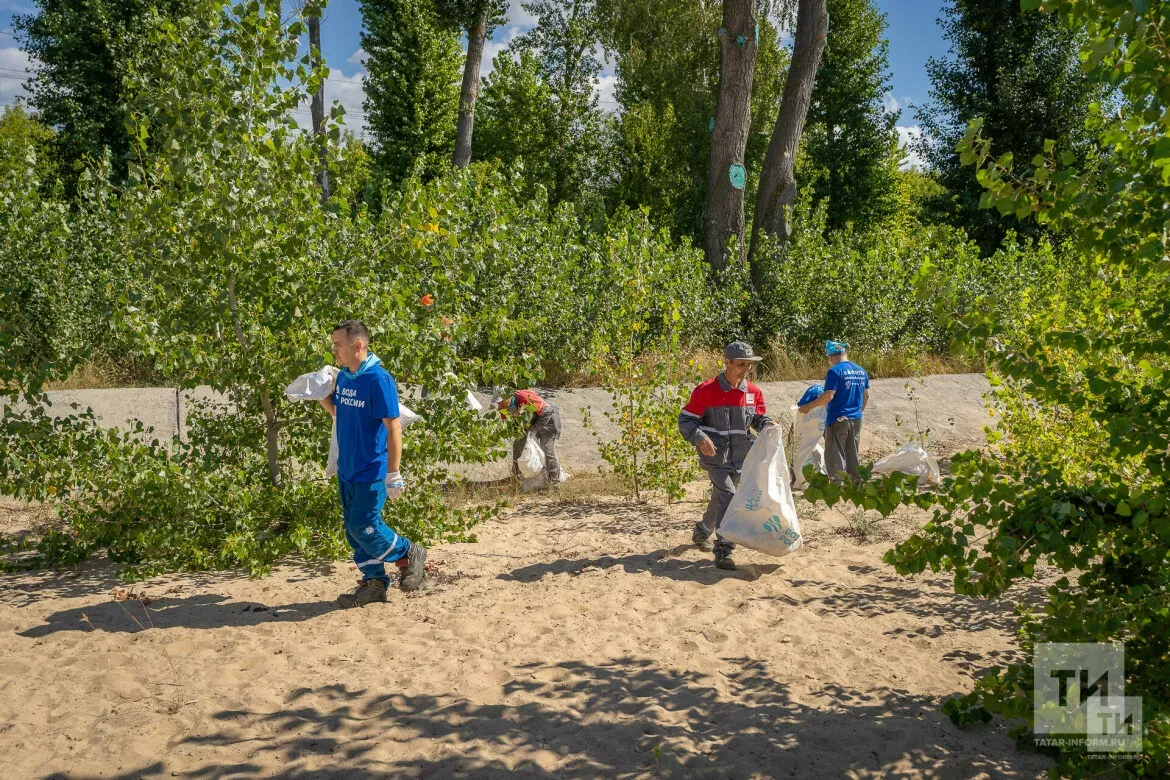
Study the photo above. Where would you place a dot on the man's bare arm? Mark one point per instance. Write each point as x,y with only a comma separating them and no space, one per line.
822,401
393,442
865,399
327,405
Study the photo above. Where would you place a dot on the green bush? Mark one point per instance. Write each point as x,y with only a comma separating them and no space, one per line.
861,288
1078,481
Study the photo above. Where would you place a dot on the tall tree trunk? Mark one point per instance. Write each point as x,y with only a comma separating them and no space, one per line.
778,182
470,91
317,108
725,173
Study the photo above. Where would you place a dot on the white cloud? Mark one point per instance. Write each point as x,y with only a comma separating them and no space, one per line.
517,16
906,137
605,93
350,92
893,104
492,48
14,64
358,58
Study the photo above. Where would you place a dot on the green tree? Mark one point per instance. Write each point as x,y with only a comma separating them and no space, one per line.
412,90
851,146
565,42
1079,481
516,116
1020,73
22,134
84,48
667,67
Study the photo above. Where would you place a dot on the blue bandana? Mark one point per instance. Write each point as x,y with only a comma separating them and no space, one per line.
371,360
835,347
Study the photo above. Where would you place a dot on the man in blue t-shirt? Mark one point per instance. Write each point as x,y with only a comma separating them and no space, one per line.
369,451
846,395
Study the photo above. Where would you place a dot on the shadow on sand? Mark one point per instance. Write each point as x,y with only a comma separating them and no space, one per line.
624,718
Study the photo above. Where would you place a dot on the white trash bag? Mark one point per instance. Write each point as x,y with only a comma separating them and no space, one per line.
808,434
331,465
762,514
407,416
912,460
531,461
315,386
404,414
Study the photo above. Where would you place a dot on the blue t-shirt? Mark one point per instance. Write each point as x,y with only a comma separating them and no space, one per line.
363,400
848,381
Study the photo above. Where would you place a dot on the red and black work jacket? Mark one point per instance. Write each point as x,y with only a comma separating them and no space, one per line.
525,400
725,415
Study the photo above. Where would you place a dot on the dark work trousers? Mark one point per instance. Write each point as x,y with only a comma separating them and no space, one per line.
724,481
842,443
546,427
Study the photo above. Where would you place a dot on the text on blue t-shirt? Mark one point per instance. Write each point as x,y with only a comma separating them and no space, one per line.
848,381
363,400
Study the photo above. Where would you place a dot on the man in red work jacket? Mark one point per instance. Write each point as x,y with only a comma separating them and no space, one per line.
545,427
717,420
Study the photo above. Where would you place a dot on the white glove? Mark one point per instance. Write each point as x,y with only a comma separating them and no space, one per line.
394,485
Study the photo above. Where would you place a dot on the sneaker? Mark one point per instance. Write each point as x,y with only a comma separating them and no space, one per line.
414,573
367,592
725,563
700,538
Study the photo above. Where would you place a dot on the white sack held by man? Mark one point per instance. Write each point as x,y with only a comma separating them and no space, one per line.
808,433
762,514
318,385
531,460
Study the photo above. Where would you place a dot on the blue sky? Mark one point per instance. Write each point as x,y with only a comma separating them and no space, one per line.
913,32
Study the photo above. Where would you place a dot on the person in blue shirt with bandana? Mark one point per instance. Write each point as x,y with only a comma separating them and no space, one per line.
369,453
846,395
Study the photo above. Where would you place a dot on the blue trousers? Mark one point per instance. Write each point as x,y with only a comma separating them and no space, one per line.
374,543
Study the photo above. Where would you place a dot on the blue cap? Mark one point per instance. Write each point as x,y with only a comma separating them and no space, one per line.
835,347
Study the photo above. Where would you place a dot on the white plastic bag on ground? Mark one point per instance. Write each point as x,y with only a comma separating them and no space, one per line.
808,440
315,386
531,461
912,460
762,514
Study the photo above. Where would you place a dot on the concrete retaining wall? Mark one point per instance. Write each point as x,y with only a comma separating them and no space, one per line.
952,407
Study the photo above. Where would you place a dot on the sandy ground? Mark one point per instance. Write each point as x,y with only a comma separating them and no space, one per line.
578,638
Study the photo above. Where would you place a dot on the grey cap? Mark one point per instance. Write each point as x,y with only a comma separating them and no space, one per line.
740,350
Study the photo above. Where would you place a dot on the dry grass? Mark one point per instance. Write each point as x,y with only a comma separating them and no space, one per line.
784,365
779,365
106,374
866,527
580,485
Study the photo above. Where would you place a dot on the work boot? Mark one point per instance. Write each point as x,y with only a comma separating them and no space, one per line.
414,571
701,538
367,592
723,556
